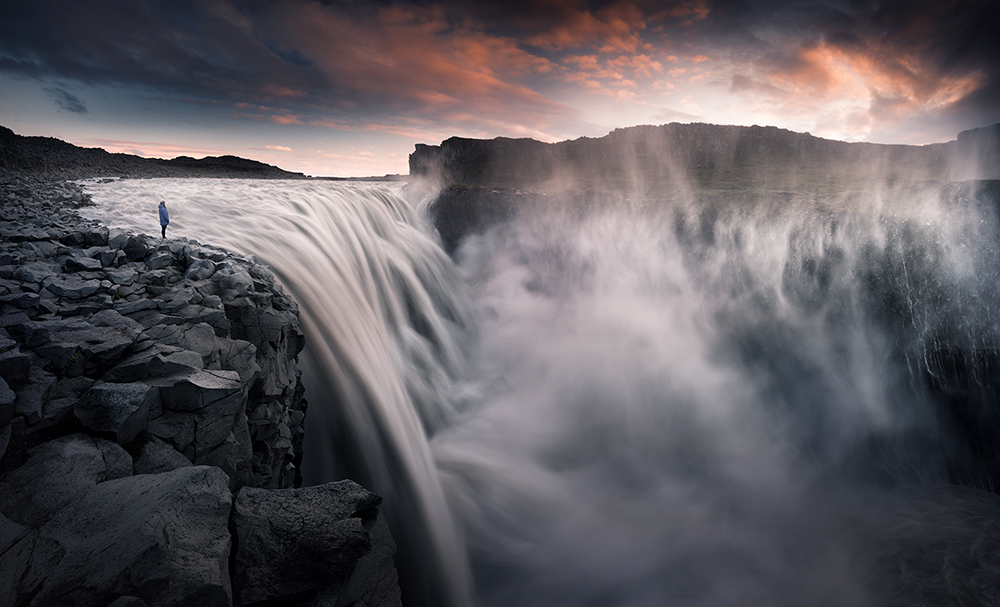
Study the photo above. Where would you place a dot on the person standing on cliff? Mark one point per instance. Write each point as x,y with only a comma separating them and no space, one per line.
164,219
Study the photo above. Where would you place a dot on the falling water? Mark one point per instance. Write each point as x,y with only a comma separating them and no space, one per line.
673,401
381,306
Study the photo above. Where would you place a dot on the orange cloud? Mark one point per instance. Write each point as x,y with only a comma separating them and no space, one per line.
152,149
826,72
408,59
615,28
285,119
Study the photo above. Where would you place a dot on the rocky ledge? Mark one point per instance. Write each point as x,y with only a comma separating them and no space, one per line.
151,426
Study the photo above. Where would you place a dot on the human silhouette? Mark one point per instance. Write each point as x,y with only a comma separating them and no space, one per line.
164,219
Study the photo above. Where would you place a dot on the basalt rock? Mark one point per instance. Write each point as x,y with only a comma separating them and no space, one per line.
142,382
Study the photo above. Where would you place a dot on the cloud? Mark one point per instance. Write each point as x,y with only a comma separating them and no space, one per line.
152,149
279,148
519,66
672,115
65,100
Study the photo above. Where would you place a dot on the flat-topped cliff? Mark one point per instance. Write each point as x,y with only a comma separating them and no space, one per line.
704,157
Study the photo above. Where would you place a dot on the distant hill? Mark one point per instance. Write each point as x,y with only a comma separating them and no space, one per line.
705,157
54,156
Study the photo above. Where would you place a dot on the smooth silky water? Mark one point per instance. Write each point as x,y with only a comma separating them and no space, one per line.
664,403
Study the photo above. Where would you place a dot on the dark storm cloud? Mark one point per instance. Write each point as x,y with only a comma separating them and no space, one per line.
66,100
922,45
492,63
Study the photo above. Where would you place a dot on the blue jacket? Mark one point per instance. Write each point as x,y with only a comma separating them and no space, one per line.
164,216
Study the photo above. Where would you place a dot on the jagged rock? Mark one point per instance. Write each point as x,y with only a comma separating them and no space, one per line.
82,264
200,270
75,299
177,429
78,346
239,281
200,389
16,544
58,473
305,545
23,301
240,356
35,272
159,360
73,287
157,456
116,410
121,276
128,601
96,236
6,433
117,238
32,396
15,366
135,248
210,398
138,306
7,398
161,537
159,260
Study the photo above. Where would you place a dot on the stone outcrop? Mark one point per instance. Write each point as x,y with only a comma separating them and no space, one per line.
325,545
134,338
143,383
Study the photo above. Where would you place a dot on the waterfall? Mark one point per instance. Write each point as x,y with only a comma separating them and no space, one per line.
716,400
382,309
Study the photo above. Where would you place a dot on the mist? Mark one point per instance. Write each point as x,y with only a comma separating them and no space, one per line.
656,391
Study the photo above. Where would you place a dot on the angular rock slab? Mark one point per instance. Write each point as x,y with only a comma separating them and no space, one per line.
117,410
58,473
200,389
308,542
163,538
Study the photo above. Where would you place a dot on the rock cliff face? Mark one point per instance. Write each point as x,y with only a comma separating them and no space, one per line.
145,384
489,181
704,156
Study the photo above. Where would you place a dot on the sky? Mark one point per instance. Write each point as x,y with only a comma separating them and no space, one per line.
346,88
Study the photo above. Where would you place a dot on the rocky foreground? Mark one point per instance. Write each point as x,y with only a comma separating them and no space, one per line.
151,423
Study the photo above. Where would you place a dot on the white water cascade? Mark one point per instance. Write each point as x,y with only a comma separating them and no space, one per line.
669,404
382,309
